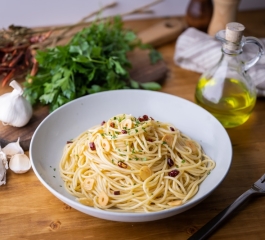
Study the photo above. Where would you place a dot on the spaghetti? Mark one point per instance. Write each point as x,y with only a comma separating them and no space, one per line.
130,164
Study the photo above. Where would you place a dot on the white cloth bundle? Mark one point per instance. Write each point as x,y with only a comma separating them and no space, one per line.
198,51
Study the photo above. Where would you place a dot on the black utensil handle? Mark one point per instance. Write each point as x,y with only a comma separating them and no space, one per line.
214,223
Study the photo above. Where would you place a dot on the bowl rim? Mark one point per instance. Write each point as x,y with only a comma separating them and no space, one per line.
170,211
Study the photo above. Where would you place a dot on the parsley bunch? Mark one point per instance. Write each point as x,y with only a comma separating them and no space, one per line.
94,60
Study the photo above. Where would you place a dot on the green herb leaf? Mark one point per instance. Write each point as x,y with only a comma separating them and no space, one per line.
151,86
155,56
134,84
94,60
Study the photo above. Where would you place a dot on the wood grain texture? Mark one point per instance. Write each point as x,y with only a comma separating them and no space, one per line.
162,32
29,211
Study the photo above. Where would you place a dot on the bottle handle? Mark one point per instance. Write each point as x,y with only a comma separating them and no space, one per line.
253,61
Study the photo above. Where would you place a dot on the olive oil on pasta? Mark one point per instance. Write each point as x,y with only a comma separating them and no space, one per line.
234,104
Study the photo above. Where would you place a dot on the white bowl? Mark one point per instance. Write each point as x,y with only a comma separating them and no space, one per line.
77,116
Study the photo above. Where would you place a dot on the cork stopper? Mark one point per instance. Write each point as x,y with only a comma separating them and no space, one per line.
234,32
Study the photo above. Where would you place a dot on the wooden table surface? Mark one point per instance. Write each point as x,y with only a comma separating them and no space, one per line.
29,211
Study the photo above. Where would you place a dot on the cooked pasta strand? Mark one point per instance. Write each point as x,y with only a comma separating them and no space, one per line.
134,165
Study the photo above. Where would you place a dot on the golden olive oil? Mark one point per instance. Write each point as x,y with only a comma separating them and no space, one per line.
232,106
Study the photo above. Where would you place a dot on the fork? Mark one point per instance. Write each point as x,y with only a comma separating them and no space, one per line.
258,188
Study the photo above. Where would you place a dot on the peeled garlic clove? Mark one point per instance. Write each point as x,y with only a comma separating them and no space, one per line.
168,139
86,201
20,163
105,144
103,199
2,174
126,123
3,158
145,172
88,184
15,110
3,167
13,148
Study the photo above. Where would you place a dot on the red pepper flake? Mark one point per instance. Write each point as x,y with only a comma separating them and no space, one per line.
150,140
123,131
92,146
117,192
145,117
112,124
172,129
140,119
170,162
68,142
122,164
173,173
103,123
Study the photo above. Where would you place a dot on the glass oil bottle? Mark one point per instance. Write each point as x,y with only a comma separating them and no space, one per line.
226,90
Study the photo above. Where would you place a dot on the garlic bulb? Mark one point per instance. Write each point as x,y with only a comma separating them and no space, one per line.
15,110
19,163
3,167
12,149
